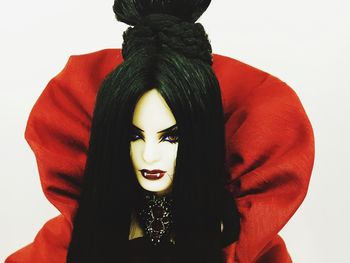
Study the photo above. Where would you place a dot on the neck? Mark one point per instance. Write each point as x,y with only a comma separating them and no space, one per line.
135,227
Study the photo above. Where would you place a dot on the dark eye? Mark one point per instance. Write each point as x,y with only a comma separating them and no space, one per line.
172,138
135,137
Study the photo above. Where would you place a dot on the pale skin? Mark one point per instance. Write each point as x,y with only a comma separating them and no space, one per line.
153,148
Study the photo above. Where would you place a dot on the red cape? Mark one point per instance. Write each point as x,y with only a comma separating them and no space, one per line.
270,150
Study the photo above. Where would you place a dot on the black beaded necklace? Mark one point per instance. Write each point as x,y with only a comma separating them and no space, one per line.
155,216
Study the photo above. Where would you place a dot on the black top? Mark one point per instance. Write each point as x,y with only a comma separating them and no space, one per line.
141,251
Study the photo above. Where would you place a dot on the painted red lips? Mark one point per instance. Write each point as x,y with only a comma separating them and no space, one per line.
152,174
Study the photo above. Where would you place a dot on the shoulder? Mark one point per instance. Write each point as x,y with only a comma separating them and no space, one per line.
241,84
58,127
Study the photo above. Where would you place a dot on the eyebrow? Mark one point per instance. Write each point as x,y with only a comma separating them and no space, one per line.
171,128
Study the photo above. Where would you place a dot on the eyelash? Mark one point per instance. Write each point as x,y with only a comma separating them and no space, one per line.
135,137
171,135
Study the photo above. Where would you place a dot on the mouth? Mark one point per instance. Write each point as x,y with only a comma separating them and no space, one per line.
152,174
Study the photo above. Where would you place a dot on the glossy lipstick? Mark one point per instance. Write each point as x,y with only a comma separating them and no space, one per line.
152,174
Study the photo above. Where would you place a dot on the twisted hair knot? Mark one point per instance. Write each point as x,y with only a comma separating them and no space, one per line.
161,31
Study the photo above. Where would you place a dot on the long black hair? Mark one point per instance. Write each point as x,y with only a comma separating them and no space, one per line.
165,50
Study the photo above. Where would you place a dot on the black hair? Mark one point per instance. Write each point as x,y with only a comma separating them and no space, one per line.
166,51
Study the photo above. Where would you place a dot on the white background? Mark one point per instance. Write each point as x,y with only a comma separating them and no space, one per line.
305,43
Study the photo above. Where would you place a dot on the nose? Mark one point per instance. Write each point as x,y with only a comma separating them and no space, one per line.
151,152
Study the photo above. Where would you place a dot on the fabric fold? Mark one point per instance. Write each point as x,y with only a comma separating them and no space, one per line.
269,153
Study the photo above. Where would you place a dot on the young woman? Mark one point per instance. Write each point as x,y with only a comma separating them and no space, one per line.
184,156
167,57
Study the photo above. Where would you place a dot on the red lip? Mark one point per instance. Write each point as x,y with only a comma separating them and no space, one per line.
152,174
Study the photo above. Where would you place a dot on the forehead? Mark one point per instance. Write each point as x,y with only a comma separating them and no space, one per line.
152,113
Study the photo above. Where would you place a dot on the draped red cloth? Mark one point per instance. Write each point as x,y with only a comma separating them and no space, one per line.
270,153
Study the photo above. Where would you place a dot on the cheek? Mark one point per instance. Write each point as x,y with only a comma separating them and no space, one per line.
169,154
175,153
134,152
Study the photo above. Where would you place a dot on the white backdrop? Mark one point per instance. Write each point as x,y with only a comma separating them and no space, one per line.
305,43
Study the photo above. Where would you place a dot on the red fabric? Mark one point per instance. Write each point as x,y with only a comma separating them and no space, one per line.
270,153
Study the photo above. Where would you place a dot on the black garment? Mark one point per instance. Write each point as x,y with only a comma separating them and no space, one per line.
141,251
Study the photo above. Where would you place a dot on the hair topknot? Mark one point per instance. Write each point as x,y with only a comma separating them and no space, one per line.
160,31
164,25
132,11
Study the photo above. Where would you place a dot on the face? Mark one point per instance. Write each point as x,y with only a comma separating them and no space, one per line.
154,143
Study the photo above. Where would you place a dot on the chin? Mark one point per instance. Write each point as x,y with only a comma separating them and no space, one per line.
156,187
